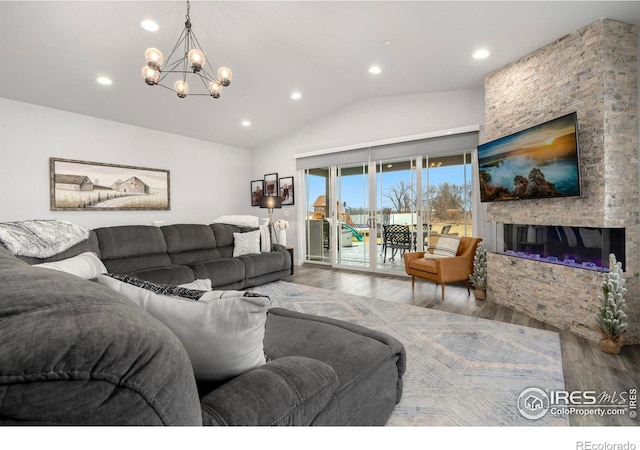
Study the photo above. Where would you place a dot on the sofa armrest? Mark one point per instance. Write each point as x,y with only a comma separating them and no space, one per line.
278,248
286,391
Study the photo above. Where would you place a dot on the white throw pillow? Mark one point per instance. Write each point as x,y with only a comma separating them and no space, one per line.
85,265
447,246
428,255
246,243
223,331
239,220
203,284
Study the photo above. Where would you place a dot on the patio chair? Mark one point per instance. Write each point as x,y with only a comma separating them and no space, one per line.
397,238
446,229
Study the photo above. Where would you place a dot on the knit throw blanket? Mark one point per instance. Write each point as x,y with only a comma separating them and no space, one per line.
41,238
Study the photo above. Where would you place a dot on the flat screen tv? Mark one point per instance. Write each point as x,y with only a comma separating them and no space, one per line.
540,162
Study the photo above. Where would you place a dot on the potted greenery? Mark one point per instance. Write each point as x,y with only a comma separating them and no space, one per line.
479,276
611,318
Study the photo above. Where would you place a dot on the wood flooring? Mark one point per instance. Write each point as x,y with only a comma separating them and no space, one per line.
585,367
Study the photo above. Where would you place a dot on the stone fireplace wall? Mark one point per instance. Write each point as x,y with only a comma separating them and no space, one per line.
593,71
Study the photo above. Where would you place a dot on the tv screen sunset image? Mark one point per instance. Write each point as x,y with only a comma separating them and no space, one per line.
539,162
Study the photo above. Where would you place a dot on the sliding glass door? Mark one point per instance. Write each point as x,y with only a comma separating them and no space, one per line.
365,208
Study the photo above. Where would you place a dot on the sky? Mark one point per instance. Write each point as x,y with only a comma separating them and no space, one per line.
352,186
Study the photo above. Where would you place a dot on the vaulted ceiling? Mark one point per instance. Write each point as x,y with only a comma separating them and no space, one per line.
52,52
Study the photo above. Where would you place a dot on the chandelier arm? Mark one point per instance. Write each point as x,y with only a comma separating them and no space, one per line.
203,73
205,80
175,68
175,47
166,87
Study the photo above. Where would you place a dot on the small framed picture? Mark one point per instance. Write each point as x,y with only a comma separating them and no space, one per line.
285,190
257,190
271,184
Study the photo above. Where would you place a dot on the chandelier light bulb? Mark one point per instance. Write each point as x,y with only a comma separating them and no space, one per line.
154,57
150,75
215,88
225,75
182,88
196,58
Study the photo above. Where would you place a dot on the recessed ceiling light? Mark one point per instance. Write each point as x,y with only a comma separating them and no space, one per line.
387,42
375,69
296,95
149,25
246,123
104,81
481,54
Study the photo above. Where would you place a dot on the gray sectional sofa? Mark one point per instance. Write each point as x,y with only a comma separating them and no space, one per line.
77,353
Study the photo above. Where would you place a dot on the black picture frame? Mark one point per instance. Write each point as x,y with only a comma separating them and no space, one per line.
257,189
286,190
271,184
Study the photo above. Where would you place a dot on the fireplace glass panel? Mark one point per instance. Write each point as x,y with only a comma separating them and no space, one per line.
581,247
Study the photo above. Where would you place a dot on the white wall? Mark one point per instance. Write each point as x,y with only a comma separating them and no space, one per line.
364,122
207,179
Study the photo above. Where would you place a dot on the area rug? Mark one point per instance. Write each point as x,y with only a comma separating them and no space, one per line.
461,370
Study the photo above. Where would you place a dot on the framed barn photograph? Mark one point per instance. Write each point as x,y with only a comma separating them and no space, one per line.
286,190
93,186
271,184
257,190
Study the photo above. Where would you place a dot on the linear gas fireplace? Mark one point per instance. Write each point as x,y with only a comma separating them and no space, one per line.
580,247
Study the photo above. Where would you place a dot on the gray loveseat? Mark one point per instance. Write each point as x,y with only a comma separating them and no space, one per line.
75,352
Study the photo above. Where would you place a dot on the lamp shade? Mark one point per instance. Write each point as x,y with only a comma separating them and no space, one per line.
271,202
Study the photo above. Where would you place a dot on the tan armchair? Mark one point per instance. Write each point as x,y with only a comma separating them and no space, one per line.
443,270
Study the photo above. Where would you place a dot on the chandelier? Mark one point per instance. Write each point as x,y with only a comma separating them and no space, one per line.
189,60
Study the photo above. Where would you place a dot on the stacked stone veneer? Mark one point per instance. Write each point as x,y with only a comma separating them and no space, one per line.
592,71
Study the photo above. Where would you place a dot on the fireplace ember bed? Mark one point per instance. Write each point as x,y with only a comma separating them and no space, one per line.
579,247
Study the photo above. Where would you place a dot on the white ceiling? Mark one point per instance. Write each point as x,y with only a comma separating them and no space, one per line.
52,52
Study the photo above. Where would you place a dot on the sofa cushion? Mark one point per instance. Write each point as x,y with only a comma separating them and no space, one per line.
227,272
264,263
7,259
288,391
128,248
166,274
222,331
82,354
369,364
190,243
224,237
85,265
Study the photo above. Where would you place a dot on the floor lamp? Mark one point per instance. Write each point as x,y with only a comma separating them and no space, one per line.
270,202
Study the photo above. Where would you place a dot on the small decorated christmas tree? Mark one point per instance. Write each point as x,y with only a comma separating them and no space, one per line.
612,319
479,276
